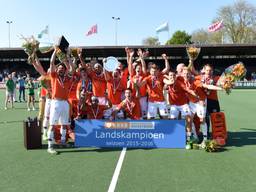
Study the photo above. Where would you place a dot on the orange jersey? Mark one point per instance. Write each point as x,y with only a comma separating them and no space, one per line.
95,113
43,92
60,87
197,88
155,88
211,94
75,80
99,84
142,89
177,92
124,77
131,108
115,89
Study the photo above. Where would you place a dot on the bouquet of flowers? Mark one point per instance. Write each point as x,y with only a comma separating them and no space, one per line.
232,74
211,146
30,46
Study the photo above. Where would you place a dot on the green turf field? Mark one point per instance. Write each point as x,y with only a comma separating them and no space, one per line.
154,170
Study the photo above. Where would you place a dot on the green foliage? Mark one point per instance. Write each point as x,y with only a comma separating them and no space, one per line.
179,37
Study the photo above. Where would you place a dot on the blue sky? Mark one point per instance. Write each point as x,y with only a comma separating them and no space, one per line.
73,18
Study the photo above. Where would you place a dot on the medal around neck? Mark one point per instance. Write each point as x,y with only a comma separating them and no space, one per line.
111,63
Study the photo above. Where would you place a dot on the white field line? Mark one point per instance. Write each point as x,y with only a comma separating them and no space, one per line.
113,183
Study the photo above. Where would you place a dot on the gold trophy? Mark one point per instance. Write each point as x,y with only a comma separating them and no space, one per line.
192,52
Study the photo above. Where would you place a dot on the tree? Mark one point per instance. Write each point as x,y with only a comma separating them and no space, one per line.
202,36
151,41
239,22
179,37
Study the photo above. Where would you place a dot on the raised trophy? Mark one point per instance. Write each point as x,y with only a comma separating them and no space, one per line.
110,63
192,52
62,48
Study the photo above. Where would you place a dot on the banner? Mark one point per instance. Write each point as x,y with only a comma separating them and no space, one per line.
43,32
216,26
245,85
130,133
162,27
93,29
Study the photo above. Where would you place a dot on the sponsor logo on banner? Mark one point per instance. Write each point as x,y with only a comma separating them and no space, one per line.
130,133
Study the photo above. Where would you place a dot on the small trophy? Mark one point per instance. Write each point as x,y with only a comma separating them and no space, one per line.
192,52
75,52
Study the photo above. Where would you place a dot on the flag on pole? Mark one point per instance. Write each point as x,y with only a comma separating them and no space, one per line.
216,26
162,27
45,31
93,29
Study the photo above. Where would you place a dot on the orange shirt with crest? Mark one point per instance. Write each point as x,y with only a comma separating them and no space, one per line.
155,88
99,84
115,89
95,113
142,89
74,82
124,77
60,88
210,94
131,108
197,88
177,92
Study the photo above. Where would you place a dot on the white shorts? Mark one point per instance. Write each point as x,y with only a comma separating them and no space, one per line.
47,108
59,114
197,108
120,114
154,106
102,100
143,106
107,113
176,109
9,94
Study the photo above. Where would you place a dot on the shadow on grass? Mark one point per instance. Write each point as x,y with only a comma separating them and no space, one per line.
98,150
242,138
72,149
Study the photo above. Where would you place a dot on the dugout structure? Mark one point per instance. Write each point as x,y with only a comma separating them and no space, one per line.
219,55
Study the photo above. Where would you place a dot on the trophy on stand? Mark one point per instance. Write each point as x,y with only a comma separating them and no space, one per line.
192,52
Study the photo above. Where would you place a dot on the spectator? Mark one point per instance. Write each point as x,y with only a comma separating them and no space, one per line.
31,94
15,79
21,82
9,91
1,77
